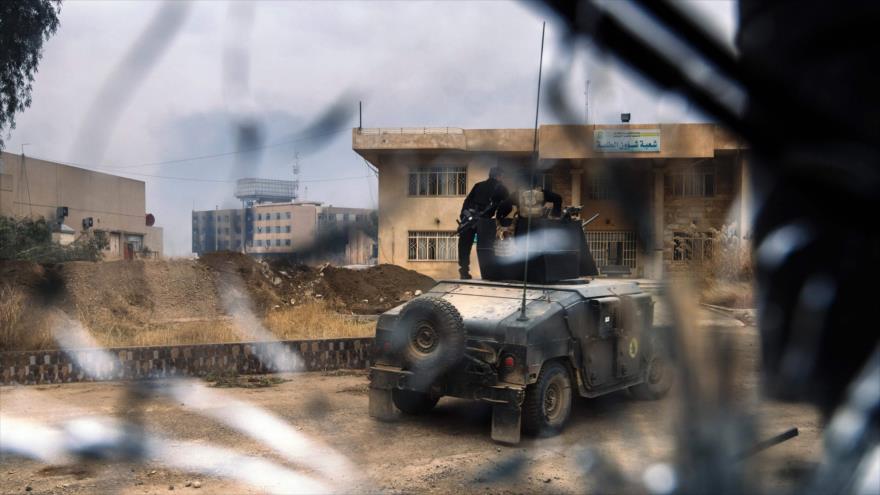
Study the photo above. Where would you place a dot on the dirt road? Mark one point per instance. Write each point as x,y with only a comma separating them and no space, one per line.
446,451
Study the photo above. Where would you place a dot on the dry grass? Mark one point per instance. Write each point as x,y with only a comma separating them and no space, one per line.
23,324
315,321
306,321
11,311
729,294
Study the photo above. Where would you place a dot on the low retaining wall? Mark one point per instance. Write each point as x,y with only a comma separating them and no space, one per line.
137,363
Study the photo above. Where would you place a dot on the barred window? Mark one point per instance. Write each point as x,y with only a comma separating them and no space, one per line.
599,185
433,246
438,181
612,248
692,246
692,182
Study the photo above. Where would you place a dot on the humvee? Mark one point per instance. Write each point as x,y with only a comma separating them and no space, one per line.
524,348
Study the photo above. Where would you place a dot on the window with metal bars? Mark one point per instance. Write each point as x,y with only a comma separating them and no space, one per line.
692,247
692,182
437,181
433,246
599,185
613,248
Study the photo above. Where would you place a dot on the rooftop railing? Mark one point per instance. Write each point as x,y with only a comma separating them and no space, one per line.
411,130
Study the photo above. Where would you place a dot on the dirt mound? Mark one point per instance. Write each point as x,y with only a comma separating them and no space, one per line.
375,289
263,286
137,293
128,298
280,283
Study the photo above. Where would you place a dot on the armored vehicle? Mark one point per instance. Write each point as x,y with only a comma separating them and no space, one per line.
524,348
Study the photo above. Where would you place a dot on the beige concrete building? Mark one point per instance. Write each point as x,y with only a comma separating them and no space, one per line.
115,205
683,181
285,229
291,228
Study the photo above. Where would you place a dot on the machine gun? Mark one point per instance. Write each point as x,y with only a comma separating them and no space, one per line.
469,217
587,221
575,211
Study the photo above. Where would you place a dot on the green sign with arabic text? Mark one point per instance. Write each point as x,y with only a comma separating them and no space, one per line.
626,140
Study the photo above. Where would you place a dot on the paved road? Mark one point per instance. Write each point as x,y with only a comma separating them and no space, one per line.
446,451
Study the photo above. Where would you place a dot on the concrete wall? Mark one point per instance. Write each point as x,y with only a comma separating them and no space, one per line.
35,188
135,363
154,239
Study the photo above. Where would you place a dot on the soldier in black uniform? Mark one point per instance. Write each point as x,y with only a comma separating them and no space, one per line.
482,201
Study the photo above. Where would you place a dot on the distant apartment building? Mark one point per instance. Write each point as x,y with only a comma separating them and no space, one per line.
221,230
305,230
93,201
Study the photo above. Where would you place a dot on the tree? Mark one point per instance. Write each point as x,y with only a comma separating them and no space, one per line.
24,26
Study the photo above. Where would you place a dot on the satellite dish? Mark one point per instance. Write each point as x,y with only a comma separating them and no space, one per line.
150,220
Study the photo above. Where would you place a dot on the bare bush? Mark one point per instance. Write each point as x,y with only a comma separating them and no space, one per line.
731,258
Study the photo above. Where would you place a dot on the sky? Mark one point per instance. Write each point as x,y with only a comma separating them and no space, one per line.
125,85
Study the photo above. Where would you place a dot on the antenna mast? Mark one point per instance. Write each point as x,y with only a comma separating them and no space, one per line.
295,170
534,167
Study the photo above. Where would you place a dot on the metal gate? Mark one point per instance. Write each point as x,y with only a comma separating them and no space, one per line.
613,250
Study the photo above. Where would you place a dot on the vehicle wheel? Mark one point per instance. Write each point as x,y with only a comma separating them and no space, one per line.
548,401
412,402
431,335
657,383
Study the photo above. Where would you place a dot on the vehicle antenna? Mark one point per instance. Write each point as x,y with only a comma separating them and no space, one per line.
534,167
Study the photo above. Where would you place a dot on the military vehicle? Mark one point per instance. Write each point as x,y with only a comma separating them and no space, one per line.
524,348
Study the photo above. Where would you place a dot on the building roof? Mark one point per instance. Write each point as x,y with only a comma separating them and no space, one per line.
554,141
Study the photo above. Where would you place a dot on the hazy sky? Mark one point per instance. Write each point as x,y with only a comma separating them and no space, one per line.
204,68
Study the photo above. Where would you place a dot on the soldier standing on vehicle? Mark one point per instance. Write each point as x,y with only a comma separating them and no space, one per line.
481,202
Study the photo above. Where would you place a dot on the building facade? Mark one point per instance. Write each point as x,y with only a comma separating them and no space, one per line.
319,233
682,181
221,230
94,201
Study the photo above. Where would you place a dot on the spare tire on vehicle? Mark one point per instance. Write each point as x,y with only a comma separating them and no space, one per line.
431,336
